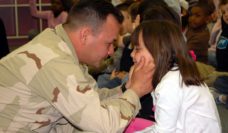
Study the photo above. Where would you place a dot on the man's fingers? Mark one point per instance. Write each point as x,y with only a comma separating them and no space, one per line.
139,65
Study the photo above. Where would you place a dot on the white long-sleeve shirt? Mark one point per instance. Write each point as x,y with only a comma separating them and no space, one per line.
182,109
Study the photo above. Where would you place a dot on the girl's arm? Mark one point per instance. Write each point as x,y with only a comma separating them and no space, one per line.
36,13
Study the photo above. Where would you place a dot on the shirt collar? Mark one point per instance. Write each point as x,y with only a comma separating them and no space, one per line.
60,31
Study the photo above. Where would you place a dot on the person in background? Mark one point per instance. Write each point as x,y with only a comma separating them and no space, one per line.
46,87
197,33
214,34
4,48
222,45
183,102
221,82
126,61
57,15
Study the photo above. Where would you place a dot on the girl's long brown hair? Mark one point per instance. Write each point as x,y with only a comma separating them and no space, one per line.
166,43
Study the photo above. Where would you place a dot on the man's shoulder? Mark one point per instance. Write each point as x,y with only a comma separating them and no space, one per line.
48,33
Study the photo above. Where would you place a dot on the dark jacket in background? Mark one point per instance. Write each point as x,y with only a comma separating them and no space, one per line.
222,49
4,49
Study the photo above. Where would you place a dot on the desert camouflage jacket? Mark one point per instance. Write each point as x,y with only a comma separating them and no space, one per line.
43,88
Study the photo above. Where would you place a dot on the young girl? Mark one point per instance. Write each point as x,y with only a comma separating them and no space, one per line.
183,102
145,116
57,14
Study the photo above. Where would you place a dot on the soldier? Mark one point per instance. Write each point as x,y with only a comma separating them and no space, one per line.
45,85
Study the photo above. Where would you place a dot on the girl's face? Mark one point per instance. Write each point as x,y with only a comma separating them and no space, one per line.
140,51
224,11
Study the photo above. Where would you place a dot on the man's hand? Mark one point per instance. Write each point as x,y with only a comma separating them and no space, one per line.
119,74
140,77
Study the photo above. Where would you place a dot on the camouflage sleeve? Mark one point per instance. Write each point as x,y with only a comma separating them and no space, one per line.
67,87
105,93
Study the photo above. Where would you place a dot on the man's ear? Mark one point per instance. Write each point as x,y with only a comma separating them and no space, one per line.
84,33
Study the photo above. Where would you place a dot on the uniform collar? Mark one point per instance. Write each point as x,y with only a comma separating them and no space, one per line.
60,31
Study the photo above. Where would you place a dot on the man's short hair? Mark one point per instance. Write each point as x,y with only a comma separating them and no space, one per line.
91,13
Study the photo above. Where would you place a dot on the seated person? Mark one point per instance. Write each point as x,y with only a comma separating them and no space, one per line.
197,33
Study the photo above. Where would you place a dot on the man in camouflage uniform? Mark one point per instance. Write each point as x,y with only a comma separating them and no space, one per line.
45,85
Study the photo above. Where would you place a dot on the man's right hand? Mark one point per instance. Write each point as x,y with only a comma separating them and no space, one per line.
140,77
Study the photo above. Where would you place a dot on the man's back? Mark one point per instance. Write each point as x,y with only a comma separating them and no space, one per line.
22,109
